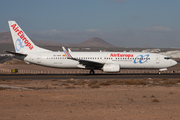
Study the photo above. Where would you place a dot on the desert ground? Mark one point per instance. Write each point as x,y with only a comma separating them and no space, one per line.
86,99
71,99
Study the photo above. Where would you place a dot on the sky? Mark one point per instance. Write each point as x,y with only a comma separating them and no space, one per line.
122,23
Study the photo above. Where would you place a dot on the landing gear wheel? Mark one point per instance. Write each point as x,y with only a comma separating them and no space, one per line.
159,72
91,72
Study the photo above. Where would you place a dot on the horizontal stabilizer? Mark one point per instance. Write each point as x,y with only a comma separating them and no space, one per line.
15,53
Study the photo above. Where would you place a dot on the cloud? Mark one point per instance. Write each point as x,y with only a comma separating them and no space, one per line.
92,30
157,36
72,37
158,28
118,0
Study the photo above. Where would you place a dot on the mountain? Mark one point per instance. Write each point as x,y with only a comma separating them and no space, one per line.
5,37
94,42
47,43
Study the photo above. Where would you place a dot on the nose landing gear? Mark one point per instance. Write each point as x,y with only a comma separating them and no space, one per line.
91,72
160,70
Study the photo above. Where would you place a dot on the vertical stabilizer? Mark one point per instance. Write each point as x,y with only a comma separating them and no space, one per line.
22,43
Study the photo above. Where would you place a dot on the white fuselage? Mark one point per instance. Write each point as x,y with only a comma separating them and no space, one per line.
124,59
26,50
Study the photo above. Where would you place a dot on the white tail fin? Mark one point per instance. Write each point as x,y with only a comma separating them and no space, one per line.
22,43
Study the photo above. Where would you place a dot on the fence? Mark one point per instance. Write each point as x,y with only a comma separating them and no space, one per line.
9,71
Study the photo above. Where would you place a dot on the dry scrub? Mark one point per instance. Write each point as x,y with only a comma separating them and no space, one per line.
79,83
101,83
1,88
155,100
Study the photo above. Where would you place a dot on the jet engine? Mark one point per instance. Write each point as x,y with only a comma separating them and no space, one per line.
111,68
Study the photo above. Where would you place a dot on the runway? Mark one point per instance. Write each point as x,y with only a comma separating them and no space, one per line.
85,76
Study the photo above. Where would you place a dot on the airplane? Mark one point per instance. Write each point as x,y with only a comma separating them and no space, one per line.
112,62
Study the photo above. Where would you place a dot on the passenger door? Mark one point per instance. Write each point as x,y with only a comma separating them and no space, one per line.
157,59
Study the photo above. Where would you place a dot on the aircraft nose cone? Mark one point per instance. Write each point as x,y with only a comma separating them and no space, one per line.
174,62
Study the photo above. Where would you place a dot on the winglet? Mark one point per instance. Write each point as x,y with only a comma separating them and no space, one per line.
66,53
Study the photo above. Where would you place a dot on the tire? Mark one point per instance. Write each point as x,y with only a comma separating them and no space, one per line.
91,72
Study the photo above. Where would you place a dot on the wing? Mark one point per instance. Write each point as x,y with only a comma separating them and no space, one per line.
87,63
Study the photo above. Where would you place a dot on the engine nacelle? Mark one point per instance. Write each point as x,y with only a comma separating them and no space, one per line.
111,68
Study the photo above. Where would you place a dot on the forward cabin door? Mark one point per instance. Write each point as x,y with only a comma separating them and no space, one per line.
157,59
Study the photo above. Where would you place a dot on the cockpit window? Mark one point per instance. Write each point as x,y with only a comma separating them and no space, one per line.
167,58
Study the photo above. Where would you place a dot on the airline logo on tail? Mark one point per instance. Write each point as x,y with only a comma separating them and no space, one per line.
19,42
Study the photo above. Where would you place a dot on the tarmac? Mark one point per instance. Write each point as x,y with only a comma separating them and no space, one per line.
87,76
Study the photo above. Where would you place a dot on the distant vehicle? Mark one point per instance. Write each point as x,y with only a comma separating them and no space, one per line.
27,51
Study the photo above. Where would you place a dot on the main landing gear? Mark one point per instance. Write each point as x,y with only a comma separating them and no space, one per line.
91,72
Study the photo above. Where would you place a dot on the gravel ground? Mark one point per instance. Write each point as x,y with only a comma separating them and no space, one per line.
55,99
115,99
